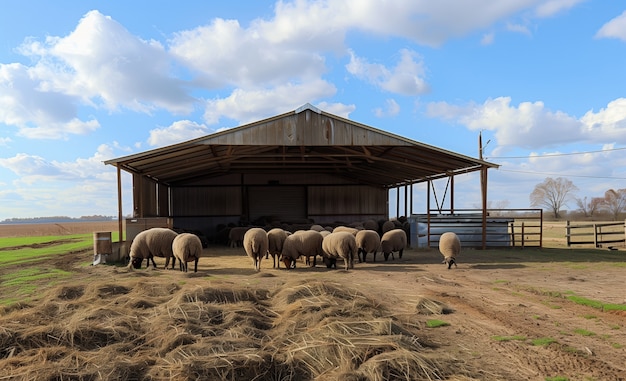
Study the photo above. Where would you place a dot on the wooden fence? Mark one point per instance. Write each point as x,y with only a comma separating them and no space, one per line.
605,234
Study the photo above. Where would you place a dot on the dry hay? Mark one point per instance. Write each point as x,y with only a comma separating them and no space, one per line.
428,306
144,329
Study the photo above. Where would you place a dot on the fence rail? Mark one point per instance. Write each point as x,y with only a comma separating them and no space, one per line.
517,228
597,234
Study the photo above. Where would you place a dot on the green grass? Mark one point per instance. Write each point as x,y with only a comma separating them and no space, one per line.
26,282
509,338
584,332
557,378
596,304
435,323
32,249
543,341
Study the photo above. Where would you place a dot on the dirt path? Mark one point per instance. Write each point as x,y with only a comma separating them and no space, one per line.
497,309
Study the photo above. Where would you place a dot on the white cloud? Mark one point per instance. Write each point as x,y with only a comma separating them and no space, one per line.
101,61
551,7
177,132
391,108
406,78
338,109
607,125
529,125
616,28
488,39
251,105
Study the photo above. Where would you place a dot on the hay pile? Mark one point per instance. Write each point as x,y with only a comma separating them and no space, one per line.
142,329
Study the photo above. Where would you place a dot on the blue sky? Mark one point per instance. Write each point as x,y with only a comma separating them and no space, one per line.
86,81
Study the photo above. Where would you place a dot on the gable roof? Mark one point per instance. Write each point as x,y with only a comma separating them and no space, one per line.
306,140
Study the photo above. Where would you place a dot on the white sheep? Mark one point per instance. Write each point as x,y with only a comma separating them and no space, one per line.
340,244
367,241
449,247
236,234
348,229
154,242
393,240
276,238
317,228
305,243
187,247
255,243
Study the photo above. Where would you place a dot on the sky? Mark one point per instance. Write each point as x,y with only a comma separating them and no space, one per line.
81,82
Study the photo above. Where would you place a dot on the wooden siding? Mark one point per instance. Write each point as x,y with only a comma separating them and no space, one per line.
347,200
207,201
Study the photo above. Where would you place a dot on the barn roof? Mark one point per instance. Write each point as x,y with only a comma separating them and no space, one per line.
306,140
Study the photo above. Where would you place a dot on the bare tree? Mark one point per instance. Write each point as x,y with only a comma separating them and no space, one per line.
615,202
588,209
552,194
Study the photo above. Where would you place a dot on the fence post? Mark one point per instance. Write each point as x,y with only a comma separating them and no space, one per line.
513,233
522,236
567,232
595,236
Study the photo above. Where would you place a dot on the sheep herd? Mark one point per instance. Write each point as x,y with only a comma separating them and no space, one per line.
330,244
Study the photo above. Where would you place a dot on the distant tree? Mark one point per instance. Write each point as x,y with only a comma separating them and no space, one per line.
552,194
615,202
588,209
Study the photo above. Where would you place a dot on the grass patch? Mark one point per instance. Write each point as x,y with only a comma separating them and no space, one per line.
617,345
543,341
596,304
557,378
509,338
584,332
31,249
435,323
26,282
590,316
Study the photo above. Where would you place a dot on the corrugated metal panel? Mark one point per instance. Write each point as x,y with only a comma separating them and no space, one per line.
206,201
282,202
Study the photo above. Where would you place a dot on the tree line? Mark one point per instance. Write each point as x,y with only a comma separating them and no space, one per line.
554,194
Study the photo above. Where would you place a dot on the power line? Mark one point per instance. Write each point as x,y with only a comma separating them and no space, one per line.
564,175
555,154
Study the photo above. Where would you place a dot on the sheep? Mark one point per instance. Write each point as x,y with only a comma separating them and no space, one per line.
236,234
388,225
393,240
339,244
301,243
276,238
449,247
367,241
370,224
255,243
316,227
187,247
348,229
154,242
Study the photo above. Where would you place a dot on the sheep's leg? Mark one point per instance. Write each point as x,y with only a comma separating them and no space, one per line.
400,253
195,265
151,258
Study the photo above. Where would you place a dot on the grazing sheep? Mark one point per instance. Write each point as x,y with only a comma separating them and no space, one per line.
276,238
154,242
317,228
255,243
187,247
367,241
449,247
340,244
236,234
301,243
388,225
348,229
393,240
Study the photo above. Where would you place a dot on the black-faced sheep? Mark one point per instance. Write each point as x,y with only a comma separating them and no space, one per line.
388,225
236,234
449,247
301,243
340,244
367,241
256,244
154,242
276,238
393,240
187,247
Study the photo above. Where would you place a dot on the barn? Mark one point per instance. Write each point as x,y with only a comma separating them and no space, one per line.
301,167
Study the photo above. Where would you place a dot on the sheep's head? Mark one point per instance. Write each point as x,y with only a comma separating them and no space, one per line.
136,262
330,262
290,263
450,261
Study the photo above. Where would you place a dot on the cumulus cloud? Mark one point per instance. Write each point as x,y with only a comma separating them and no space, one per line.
177,132
406,78
339,109
250,105
529,125
101,62
551,7
616,28
391,108
608,124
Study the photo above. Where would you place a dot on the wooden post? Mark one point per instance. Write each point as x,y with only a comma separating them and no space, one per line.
595,235
567,233
119,203
523,242
513,234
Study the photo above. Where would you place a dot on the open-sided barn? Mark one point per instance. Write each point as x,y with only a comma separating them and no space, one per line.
302,166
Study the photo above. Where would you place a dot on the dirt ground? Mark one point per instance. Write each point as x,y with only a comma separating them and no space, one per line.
496,303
